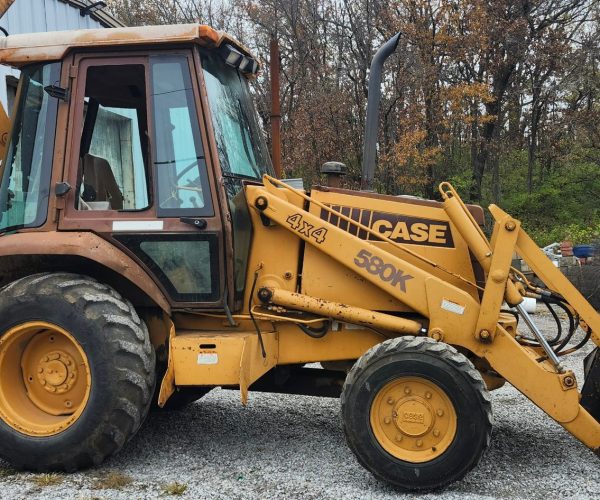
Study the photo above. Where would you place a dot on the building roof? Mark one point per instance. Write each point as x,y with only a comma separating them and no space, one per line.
99,15
19,50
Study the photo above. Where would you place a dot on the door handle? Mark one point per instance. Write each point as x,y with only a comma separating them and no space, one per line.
193,221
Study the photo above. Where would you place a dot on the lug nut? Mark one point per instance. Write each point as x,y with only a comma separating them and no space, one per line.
387,420
436,433
398,437
407,390
419,443
390,401
440,413
428,395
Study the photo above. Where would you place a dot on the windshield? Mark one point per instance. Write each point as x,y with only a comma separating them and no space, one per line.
240,141
26,175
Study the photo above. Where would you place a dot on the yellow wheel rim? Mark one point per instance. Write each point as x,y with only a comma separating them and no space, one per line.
413,419
44,379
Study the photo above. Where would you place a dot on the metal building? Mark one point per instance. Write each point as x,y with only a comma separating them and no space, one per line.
31,16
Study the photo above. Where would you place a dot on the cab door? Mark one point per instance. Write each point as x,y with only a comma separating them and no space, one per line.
138,171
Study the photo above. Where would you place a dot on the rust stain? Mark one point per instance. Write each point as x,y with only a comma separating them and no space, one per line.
17,50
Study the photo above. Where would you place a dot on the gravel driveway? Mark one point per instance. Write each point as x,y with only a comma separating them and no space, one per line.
293,447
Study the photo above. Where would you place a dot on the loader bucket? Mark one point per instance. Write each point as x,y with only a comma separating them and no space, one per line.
590,393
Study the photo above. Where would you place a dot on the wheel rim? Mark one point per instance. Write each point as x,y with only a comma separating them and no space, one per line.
44,379
413,419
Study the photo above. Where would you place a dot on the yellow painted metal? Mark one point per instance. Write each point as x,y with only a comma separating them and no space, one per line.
167,386
585,428
322,275
413,419
347,342
475,238
452,309
344,312
45,379
232,358
495,286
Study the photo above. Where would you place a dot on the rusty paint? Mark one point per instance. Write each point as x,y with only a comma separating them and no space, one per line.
4,5
17,50
85,245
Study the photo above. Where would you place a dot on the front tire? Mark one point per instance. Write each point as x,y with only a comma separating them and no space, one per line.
416,413
77,372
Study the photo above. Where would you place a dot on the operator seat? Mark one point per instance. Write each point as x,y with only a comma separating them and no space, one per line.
98,175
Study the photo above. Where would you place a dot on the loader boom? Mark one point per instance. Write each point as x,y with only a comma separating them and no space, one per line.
448,312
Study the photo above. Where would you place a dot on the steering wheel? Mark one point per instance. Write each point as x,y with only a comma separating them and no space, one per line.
178,187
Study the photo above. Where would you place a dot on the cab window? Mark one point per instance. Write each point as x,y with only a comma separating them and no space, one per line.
179,161
113,172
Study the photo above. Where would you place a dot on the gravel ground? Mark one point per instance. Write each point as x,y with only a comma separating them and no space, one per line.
293,447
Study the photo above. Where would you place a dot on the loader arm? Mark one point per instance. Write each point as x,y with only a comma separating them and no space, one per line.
448,312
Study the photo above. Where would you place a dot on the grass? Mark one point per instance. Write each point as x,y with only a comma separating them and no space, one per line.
5,472
174,489
112,481
44,480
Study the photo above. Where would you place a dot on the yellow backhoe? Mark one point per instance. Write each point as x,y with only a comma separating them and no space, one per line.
148,254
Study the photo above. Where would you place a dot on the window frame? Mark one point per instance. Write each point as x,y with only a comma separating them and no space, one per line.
209,208
101,222
133,242
77,120
49,143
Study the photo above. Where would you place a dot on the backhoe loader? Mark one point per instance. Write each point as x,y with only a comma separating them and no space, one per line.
148,254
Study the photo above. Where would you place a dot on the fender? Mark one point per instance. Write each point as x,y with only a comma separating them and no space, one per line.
86,245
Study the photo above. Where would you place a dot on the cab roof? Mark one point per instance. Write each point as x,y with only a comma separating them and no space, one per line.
19,50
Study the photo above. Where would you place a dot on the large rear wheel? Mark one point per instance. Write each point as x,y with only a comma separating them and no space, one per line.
416,413
76,372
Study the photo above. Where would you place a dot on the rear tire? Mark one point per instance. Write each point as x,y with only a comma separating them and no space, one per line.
416,413
114,352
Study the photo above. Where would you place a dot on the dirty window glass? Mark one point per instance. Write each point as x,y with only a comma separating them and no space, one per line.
113,151
25,187
240,141
187,265
179,160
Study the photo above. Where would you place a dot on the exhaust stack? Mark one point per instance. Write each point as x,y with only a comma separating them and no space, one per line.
371,123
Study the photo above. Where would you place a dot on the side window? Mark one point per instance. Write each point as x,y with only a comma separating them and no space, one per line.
180,166
186,264
113,154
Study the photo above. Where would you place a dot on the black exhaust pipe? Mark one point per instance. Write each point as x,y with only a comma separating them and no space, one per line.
371,123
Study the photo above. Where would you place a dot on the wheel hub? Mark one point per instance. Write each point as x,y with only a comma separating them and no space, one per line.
57,372
413,419
413,416
44,378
